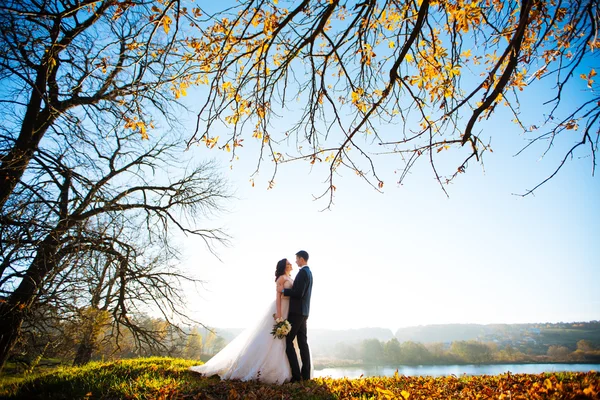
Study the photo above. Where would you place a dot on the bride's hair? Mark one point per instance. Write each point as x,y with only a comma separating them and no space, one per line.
280,269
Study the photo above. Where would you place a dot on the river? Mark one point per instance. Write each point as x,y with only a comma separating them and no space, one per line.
445,370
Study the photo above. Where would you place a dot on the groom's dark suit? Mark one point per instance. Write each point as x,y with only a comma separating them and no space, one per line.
298,314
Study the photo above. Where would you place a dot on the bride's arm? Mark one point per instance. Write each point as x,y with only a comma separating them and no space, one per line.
278,295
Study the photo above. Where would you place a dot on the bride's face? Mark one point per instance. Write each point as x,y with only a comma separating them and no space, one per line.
288,267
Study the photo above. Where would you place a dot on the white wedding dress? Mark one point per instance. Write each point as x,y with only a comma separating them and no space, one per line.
255,354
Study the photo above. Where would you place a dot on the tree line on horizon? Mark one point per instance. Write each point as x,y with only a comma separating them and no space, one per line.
475,343
394,352
59,342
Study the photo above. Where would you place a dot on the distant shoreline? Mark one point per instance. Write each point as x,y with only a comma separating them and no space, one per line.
320,366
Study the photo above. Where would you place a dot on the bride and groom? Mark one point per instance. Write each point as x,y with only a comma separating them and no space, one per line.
258,355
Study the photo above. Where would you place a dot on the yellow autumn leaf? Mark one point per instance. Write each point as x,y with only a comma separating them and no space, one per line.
355,97
166,23
255,20
589,391
143,131
572,124
391,44
385,392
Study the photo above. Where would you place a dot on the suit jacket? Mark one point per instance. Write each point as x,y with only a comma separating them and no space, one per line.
300,293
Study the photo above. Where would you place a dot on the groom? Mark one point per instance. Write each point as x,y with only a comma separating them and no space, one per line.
299,307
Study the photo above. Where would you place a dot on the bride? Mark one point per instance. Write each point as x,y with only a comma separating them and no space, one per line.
256,354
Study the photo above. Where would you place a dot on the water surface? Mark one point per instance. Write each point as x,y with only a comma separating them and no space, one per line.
445,370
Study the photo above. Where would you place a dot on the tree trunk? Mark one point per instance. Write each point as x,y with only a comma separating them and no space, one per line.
14,310
10,329
86,347
89,336
14,163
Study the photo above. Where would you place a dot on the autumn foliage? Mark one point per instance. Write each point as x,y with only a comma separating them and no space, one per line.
335,82
167,378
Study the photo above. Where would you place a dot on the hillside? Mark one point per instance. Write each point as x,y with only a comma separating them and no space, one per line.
167,378
533,335
441,333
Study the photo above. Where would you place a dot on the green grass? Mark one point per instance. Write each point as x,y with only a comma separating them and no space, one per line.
169,378
147,378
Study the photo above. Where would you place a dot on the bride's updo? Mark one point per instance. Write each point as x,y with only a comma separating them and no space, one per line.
280,269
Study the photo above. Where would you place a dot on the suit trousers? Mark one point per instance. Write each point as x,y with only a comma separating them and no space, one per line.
298,330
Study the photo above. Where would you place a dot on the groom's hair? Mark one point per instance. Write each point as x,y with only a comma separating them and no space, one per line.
302,254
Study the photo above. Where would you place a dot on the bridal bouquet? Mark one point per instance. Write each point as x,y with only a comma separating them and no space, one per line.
281,328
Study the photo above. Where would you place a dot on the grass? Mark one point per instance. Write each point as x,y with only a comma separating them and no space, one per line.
146,378
169,378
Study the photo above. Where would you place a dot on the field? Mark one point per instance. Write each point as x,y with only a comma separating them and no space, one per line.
168,378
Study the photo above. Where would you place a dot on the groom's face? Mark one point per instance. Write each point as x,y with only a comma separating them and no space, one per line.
300,261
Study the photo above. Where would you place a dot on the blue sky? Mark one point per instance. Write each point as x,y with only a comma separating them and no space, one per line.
412,256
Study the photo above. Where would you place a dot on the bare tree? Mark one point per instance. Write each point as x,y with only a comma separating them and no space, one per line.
63,58
80,81
109,280
109,198
339,81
